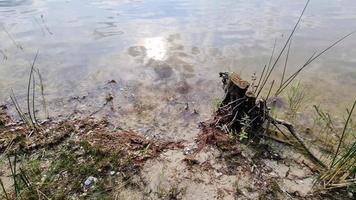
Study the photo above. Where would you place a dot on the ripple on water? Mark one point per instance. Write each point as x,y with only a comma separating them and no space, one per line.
192,39
108,29
14,3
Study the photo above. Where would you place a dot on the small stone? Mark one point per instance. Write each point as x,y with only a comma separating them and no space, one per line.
187,150
112,173
112,82
350,194
218,174
43,178
90,180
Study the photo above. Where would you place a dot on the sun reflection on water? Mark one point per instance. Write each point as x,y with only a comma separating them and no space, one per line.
156,48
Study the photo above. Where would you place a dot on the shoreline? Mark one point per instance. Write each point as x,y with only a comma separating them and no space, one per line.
87,151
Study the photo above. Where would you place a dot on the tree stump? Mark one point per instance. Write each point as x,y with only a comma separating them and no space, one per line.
239,110
241,113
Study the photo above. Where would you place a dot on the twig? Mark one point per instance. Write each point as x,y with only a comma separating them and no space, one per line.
43,194
230,103
277,139
217,121
290,128
279,129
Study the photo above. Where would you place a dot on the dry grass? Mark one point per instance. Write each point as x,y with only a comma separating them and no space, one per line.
342,168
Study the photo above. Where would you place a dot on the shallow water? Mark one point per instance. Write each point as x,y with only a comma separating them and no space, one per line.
165,54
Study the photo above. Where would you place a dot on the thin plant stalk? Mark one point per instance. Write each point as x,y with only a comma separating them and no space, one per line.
270,89
33,99
19,110
293,76
284,47
28,90
44,103
259,81
263,76
270,59
310,60
13,172
4,190
343,134
24,178
285,63
342,166
11,38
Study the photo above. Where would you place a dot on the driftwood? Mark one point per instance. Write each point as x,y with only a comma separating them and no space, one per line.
240,111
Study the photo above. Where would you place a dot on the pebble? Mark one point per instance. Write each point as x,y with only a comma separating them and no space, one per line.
90,180
350,194
187,150
218,174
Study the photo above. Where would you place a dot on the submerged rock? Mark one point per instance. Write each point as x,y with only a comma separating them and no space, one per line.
276,102
183,87
163,70
135,51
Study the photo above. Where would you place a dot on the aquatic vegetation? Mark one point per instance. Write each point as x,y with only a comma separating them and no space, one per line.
29,117
296,97
324,131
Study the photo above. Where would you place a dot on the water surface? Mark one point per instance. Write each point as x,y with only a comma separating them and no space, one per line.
164,55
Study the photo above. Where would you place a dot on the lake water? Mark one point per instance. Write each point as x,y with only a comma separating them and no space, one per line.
165,55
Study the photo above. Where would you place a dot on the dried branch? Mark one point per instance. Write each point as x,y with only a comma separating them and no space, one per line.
290,128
